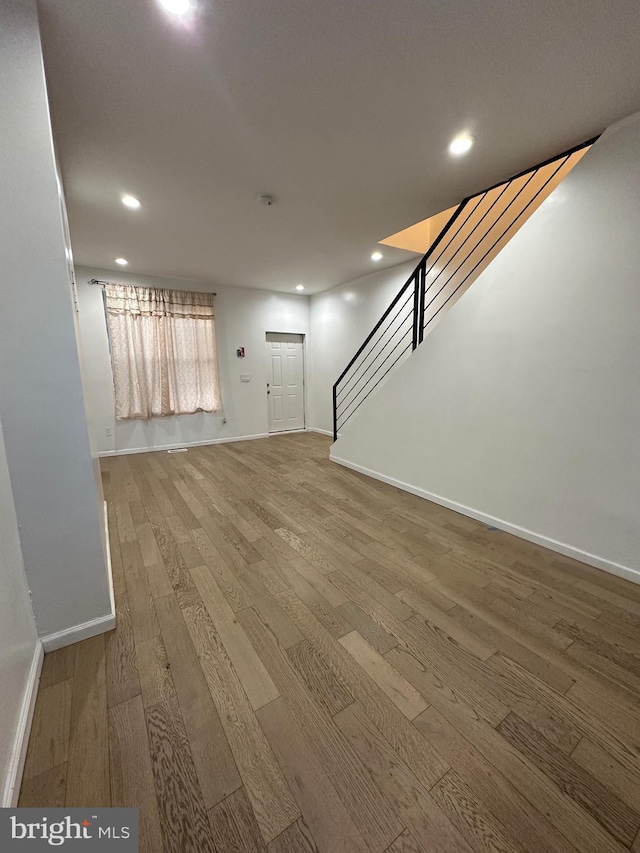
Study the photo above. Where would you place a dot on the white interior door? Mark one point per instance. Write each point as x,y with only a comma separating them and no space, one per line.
285,381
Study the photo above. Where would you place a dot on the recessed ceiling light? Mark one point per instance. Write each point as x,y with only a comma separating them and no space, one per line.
176,7
299,286
377,256
461,144
122,261
131,201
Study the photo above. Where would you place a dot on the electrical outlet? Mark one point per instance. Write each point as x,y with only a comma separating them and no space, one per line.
244,377
108,432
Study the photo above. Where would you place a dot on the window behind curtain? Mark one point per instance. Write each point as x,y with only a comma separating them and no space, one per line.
163,351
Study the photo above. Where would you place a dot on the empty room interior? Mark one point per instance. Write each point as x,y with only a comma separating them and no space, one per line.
320,426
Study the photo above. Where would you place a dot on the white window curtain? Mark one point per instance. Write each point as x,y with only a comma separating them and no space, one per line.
163,351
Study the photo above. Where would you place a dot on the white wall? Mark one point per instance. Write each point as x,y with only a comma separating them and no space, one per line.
523,404
41,402
18,640
340,320
243,317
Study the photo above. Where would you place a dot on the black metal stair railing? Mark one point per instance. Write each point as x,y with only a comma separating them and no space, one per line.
478,229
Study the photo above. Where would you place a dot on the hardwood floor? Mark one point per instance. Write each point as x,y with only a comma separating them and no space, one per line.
309,660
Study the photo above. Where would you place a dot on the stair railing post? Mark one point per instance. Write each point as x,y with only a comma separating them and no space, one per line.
416,309
335,414
422,280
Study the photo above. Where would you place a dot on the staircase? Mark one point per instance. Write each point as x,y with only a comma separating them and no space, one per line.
478,230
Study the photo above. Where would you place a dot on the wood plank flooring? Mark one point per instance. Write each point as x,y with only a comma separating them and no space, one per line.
309,661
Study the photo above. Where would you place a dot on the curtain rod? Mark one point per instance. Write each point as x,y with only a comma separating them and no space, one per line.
100,281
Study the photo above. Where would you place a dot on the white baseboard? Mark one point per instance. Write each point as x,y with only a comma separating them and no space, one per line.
21,741
72,635
160,447
321,431
625,572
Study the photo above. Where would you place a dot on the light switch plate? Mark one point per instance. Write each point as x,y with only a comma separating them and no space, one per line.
244,377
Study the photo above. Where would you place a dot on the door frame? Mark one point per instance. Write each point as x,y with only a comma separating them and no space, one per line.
303,335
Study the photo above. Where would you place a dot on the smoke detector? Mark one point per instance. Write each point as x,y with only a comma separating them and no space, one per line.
266,200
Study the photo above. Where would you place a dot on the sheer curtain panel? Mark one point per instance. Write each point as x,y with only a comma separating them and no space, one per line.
163,351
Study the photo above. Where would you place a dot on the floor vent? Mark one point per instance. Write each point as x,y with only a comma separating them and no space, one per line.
178,450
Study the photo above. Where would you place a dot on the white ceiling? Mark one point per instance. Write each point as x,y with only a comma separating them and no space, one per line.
342,109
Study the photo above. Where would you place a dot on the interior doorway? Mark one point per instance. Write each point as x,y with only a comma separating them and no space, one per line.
285,381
